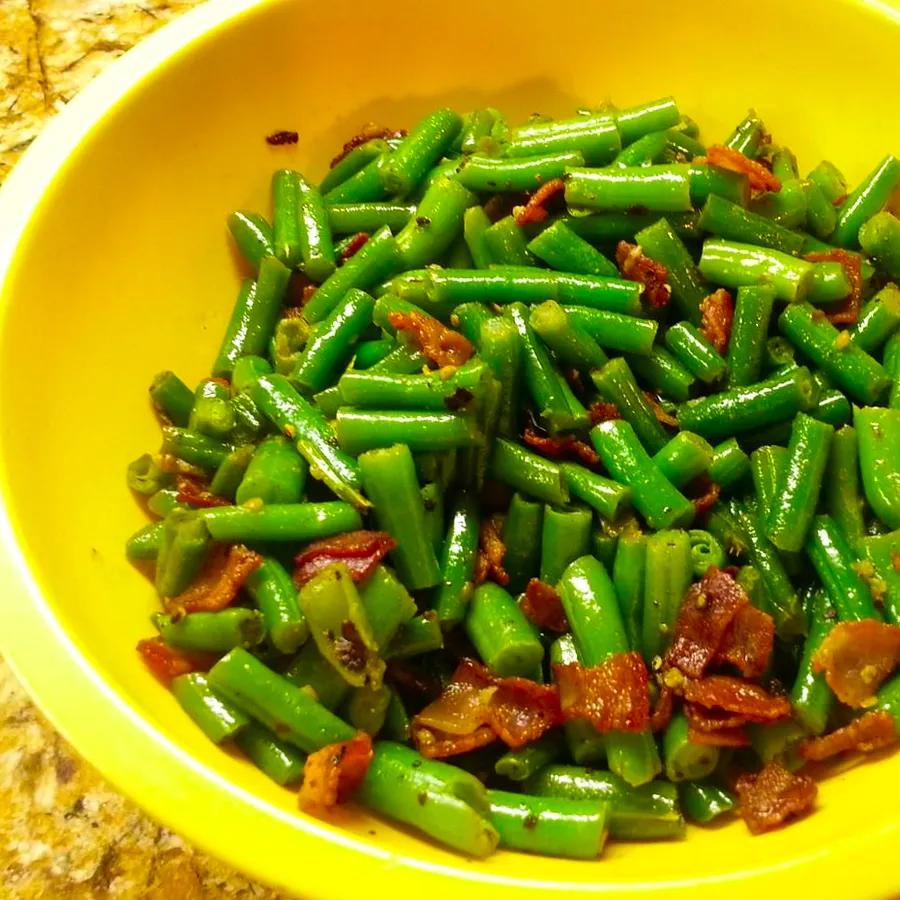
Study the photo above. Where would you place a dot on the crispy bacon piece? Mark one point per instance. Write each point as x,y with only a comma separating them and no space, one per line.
367,133
717,310
663,417
662,712
708,609
308,291
535,210
603,412
333,774
706,494
561,447
760,178
734,695
277,138
166,663
476,708
715,728
360,551
650,274
491,550
219,581
194,492
719,737
442,345
871,731
770,797
612,696
357,242
747,642
856,658
543,606
847,312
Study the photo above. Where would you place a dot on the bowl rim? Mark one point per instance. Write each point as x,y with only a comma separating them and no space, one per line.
29,630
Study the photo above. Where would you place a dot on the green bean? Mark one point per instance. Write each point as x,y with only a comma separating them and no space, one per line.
551,826
366,708
811,697
310,670
669,568
247,370
602,494
647,812
882,552
878,431
779,354
216,717
426,144
144,544
363,186
594,137
707,181
477,127
609,228
181,552
467,318
685,760
423,432
145,476
663,373
833,560
459,549
522,763
275,758
475,225
695,352
879,237
636,121
276,473
800,483
419,635
522,537
752,312
274,701
629,572
253,236
561,248
785,207
729,464
829,180
664,188
878,320
767,464
814,245
281,522
506,641
865,200
396,720
212,413
751,407
749,136
389,479
316,248
571,343
499,347
387,603
565,537
369,353
888,699
422,793
286,227
614,331
843,501
703,801
683,458
616,384
286,347
490,174
821,216
274,594
358,158
706,551
850,368
661,504
365,390
506,243
172,398
891,359
211,632
433,500
352,218
734,223
645,151
528,473
229,475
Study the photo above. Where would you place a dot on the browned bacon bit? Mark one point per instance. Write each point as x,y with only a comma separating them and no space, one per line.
194,493
308,291
719,737
770,797
543,607
708,494
476,708
535,210
662,712
856,657
441,345
369,132
360,551
333,774
748,641
717,310
662,416
734,695
650,274
357,242
707,611
847,312
760,178
276,138
603,412
870,732
612,696
166,663
491,550
561,447
291,312
219,581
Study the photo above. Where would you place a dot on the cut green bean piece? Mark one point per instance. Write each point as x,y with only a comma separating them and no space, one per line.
594,137
746,346
734,223
636,121
421,634
422,432
276,473
821,216
506,641
565,537
810,696
668,574
145,543
843,498
352,218
665,188
663,373
145,475
490,174
614,331
571,344
522,537
275,758
562,249
212,413
181,552
629,571
684,457
585,744
735,265
528,473
829,180
296,522
695,352
878,431
878,320
506,243
219,719
730,464
684,760
437,222
522,763
316,247
211,632
426,144
273,591
458,553
172,398
312,671
358,158
253,236
749,136
865,200
602,494
880,239
706,551
286,225
703,801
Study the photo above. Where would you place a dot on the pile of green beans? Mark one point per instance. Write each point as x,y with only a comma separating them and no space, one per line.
328,416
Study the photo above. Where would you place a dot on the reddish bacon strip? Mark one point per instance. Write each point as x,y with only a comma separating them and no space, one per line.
663,417
543,606
650,274
442,345
733,695
277,138
720,737
847,312
561,447
708,494
369,132
662,712
357,242
603,412
748,641
333,774
770,797
717,729
193,492
218,583
717,310
491,550
856,658
360,551
535,210
869,732
612,696
166,663
476,708
760,178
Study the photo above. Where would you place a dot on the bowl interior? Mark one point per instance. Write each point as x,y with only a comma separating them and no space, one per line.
125,269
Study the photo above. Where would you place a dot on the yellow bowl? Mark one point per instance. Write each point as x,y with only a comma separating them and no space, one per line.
114,264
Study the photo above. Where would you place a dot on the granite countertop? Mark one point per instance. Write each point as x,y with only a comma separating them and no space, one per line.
64,832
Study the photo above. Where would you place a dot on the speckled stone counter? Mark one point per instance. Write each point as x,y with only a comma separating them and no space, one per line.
65,833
